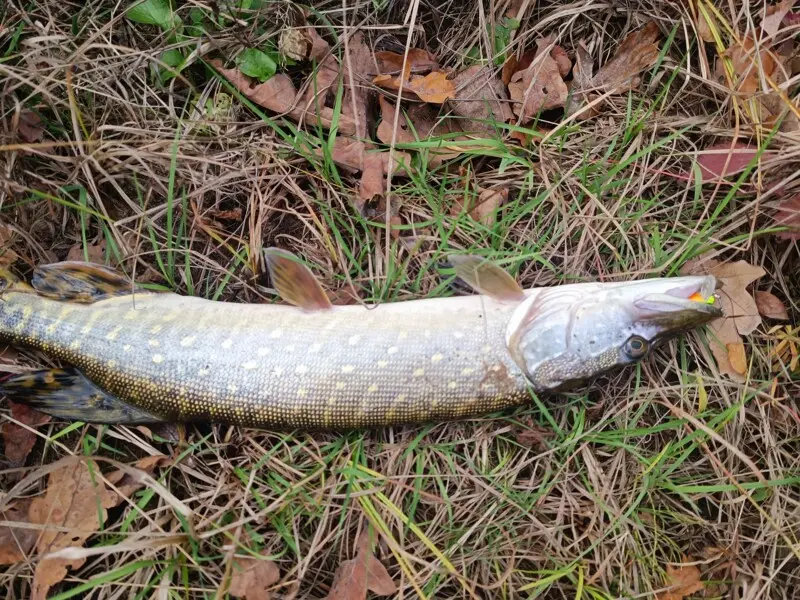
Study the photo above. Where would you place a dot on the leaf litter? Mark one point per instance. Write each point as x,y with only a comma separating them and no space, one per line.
73,508
17,438
252,578
683,581
361,574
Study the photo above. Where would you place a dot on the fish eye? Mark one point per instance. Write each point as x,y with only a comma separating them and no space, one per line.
635,347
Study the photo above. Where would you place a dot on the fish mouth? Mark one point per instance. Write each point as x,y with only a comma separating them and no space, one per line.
685,303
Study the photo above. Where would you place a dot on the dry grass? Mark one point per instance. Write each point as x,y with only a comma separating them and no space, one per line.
627,478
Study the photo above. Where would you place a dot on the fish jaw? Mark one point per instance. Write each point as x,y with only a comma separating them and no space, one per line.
566,335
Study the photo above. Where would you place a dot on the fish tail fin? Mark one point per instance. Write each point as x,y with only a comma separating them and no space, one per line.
68,394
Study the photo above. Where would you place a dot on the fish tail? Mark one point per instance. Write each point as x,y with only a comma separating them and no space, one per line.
69,394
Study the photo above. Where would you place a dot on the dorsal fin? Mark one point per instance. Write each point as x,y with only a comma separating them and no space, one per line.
294,281
83,282
485,277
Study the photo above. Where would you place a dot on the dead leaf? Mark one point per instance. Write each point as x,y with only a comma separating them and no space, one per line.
419,61
355,75
18,440
484,209
582,74
418,121
30,126
234,214
7,255
748,64
96,253
373,182
539,87
788,215
434,87
741,313
74,507
319,47
251,578
704,27
683,581
293,44
562,60
127,481
774,15
723,160
637,52
361,574
534,436
16,542
770,306
481,98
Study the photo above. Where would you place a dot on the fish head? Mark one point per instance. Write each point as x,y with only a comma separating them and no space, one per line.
566,335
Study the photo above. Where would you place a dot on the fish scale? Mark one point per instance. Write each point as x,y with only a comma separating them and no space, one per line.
191,359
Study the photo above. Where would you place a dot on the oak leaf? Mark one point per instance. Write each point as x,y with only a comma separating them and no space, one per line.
418,122
770,306
481,98
434,87
418,61
774,16
749,62
355,577
19,440
30,126
538,87
788,215
637,52
16,541
252,577
683,581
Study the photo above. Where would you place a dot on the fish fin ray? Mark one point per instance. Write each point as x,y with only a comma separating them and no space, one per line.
68,394
82,282
294,281
486,277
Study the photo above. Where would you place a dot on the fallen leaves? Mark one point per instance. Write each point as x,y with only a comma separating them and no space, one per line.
18,439
7,255
73,508
418,61
355,577
770,306
30,126
252,577
480,98
683,580
720,161
740,309
434,87
541,85
786,215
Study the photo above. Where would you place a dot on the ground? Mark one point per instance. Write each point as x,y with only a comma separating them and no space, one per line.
668,472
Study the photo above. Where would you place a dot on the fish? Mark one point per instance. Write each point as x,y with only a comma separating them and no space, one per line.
135,356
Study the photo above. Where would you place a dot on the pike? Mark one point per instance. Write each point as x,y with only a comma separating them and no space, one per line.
135,356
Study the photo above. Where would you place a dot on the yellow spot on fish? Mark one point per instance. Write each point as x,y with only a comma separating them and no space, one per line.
130,315
383,363
403,335
232,388
53,326
400,398
250,365
227,344
353,339
419,372
392,350
452,385
348,369
331,401
75,344
188,341
301,370
156,328
113,334
126,347
154,343
158,358
202,372
276,334
340,385
170,316
302,392
467,371
372,389
487,349
111,364
263,351
436,358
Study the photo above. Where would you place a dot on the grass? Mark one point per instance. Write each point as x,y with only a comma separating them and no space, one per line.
649,465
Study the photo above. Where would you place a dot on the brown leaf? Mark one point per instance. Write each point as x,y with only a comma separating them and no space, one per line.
7,255
723,160
535,436
30,126
419,61
234,214
481,98
485,208
562,60
319,47
434,87
16,542
361,574
127,482
683,581
637,52
293,44
774,16
355,74
770,306
788,215
539,87
741,313
75,502
96,252
748,64
251,578
372,183
704,27
18,440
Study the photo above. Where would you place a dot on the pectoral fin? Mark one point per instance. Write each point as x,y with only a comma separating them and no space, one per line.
294,282
67,394
80,282
485,277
